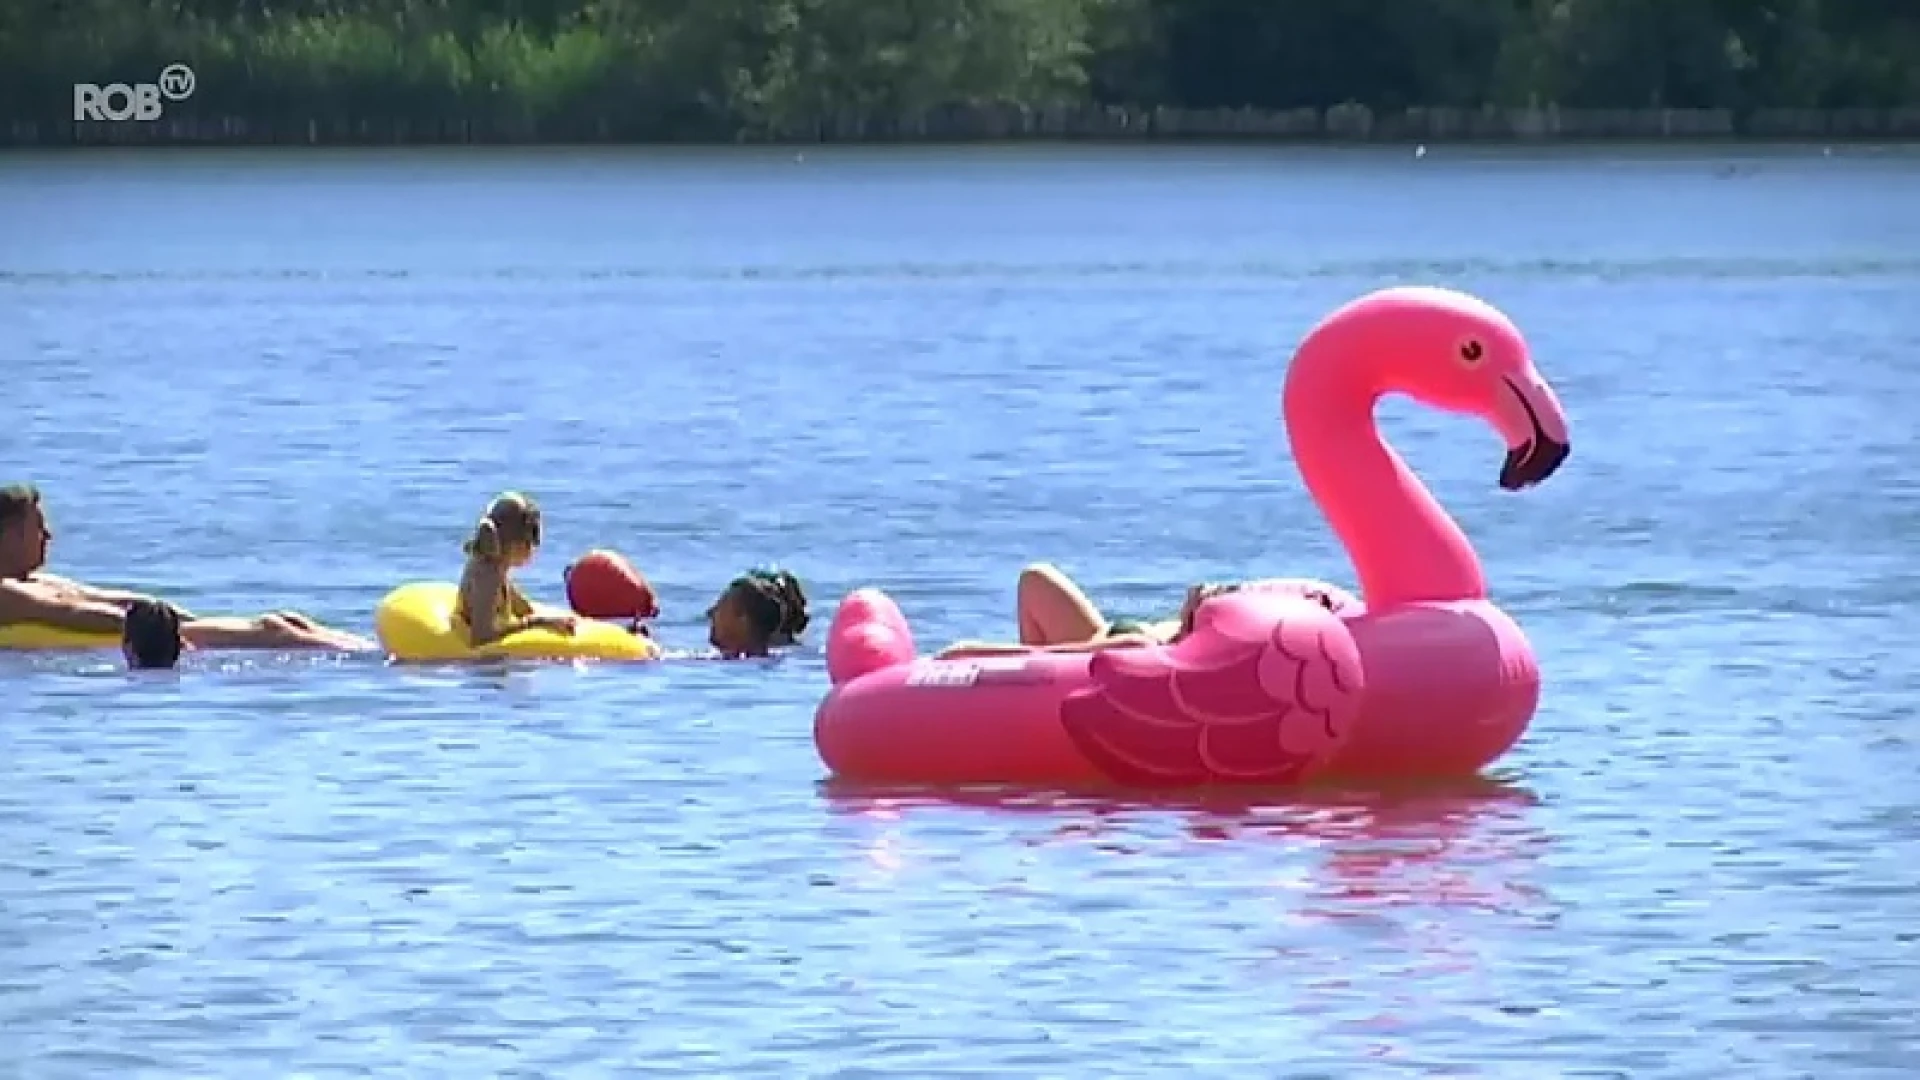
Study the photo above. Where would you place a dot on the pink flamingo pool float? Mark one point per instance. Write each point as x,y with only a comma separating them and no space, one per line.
1280,683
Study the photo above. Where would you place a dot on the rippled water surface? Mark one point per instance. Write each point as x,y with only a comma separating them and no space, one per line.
293,379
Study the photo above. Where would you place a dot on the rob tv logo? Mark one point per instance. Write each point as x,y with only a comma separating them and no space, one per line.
139,101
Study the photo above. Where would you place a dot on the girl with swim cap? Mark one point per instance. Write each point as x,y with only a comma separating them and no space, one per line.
491,606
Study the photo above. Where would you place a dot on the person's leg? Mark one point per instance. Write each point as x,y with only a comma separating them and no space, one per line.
280,630
1053,610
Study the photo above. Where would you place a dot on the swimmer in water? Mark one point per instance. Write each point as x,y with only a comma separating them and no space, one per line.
1056,615
491,606
761,610
151,638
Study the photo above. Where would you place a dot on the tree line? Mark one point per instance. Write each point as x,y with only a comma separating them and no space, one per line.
701,69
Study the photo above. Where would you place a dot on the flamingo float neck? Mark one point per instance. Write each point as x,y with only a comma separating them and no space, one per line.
1404,547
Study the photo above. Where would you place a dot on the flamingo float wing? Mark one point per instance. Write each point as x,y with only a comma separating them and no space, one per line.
1262,692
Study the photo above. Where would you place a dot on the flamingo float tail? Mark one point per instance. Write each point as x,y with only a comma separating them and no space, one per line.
868,633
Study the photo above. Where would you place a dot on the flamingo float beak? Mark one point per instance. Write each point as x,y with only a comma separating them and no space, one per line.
1529,417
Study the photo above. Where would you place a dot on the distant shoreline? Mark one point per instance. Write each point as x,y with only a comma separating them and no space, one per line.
1008,123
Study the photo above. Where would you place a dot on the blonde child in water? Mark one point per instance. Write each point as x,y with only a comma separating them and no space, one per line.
491,606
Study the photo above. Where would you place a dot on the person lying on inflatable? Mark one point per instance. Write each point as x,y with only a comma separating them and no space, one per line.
1053,610
1056,615
490,605
32,599
759,611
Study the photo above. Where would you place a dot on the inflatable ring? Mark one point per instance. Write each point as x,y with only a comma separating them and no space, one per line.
41,636
415,622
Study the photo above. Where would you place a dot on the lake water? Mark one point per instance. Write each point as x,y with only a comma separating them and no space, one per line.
293,379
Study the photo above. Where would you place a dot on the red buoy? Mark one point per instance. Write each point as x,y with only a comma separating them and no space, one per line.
604,585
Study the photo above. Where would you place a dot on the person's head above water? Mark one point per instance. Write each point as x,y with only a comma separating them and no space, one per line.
508,533
151,638
760,610
23,531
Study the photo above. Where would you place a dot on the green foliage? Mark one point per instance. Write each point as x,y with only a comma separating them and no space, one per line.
667,68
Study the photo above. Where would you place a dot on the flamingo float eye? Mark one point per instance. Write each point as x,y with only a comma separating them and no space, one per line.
1472,352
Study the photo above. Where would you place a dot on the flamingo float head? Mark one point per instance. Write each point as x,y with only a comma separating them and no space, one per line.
1458,353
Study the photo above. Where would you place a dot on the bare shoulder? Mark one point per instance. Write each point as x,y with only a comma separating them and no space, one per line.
14,595
36,587
20,599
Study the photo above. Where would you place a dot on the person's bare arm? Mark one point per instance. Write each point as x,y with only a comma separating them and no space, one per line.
93,593
22,602
522,605
119,598
540,616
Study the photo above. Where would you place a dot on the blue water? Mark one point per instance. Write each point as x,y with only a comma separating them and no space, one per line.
293,379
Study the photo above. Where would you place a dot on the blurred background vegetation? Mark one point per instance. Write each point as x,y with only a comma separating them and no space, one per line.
683,69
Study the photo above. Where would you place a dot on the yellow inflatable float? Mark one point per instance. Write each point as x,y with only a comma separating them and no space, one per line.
415,622
39,636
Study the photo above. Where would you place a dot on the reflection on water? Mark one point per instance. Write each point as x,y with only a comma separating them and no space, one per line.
1463,844
1313,880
